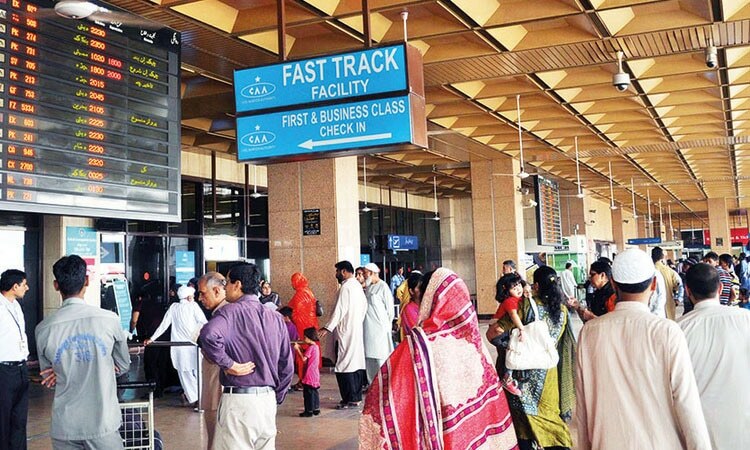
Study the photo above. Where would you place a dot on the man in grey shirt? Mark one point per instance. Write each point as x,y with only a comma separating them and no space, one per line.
84,346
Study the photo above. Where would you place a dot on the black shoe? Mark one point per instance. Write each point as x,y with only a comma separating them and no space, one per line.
352,404
306,414
343,406
316,412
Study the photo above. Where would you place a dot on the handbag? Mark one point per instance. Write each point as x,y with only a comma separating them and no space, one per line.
318,308
537,350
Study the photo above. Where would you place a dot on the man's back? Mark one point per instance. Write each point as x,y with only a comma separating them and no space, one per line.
635,385
718,338
83,344
248,331
569,284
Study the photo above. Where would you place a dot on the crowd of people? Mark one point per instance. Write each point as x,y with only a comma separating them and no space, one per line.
635,365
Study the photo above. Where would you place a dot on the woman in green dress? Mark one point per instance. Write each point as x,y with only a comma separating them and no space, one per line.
541,412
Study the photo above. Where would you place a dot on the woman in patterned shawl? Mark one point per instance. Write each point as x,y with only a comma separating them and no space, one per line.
439,389
547,397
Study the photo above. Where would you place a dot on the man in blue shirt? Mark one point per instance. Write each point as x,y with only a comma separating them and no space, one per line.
397,279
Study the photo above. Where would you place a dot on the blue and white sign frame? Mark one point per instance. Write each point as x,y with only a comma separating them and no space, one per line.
324,129
329,78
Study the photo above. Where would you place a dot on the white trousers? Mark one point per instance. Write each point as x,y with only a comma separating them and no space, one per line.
246,422
189,382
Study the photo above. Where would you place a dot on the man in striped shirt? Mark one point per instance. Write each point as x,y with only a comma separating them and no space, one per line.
725,294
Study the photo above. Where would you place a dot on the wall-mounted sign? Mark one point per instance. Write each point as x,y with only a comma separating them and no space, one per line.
371,123
737,236
402,242
310,222
81,241
184,266
323,79
549,225
364,259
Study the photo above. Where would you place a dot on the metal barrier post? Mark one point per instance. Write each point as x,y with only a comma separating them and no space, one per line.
199,375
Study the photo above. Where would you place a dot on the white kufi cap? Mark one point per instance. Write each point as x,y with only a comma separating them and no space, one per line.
632,266
372,267
184,292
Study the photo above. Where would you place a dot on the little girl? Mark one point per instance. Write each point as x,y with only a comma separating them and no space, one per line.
311,378
508,292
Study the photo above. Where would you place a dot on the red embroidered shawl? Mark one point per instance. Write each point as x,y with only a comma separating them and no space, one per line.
439,390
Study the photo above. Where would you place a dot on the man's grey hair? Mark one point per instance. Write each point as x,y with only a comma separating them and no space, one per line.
213,279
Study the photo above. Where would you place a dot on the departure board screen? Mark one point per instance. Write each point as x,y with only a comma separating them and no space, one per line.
90,115
549,225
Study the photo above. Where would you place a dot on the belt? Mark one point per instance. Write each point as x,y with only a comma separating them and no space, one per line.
247,390
13,363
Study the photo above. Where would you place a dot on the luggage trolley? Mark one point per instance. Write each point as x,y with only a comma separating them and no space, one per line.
137,429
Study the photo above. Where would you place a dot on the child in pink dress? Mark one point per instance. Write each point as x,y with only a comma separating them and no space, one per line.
311,377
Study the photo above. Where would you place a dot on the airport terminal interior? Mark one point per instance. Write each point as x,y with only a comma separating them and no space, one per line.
161,139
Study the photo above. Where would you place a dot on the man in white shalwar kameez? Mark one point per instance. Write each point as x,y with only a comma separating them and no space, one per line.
718,339
347,321
378,321
185,318
634,385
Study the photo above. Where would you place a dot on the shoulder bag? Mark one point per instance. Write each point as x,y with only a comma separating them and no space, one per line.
536,351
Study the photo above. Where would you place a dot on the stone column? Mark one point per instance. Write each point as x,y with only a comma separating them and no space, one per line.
498,225
457,238
618,229
718,225
330,185
54,243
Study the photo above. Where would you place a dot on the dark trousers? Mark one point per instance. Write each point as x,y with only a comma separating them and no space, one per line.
350,386
311,397
14,406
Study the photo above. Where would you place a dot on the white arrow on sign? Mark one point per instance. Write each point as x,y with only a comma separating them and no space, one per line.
310,144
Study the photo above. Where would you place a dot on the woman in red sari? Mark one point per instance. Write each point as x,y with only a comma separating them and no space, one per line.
303,311
439,389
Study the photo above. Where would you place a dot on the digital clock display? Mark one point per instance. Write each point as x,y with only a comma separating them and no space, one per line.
90,115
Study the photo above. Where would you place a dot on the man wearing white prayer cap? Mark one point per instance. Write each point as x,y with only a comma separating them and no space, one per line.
185,318
378,321
635,386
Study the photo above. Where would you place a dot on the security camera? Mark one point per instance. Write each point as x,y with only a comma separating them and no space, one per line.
620,80
712,57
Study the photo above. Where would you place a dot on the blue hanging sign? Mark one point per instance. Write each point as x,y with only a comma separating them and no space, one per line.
644,241
326,78
402,242
371,123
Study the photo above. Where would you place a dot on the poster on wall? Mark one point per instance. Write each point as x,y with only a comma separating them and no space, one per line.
310,222
184,266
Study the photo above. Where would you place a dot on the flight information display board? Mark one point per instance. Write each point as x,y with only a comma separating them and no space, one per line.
549,225
90,115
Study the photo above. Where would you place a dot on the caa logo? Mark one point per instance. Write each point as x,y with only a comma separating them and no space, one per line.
258,90
258,138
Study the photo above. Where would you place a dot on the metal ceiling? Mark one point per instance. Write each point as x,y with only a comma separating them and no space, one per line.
681,131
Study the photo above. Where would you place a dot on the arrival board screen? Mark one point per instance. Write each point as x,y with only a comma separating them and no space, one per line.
90,115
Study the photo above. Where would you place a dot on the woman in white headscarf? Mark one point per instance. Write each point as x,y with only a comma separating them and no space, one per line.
185,318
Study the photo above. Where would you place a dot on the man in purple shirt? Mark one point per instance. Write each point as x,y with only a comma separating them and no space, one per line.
240,334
